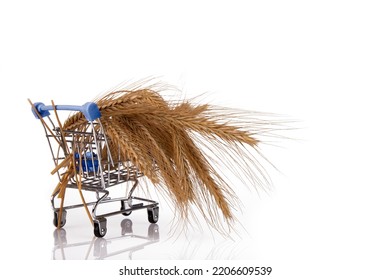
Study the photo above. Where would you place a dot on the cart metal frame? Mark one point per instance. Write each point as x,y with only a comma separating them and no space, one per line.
98,170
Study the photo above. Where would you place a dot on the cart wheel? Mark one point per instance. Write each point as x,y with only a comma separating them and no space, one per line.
100,227
153,232
153,215
56,216
127,226
123,207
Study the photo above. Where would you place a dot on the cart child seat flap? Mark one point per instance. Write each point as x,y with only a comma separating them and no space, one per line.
89,162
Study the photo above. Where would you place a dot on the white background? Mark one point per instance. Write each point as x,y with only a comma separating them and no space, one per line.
325,63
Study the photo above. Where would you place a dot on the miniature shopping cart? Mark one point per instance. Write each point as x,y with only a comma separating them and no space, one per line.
94,168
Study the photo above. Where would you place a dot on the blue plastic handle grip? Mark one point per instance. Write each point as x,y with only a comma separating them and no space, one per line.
90,110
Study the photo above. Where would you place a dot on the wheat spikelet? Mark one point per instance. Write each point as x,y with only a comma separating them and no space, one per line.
186,141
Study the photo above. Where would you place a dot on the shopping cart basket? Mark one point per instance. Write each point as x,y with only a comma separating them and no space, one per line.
95,169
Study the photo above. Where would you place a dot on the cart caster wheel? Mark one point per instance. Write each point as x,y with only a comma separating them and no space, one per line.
123,207
56,218
153,233
127,226
100,227
153,215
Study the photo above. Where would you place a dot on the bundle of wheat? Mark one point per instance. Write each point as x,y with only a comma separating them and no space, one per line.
186,141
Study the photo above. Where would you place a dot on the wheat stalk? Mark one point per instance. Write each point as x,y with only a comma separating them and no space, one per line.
145,129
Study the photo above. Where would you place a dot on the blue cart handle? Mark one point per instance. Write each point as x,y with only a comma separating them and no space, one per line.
90,110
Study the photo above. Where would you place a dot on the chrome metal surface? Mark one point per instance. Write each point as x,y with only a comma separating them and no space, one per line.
98,169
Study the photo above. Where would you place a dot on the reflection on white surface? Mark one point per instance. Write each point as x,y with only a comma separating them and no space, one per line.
136,239
105,248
